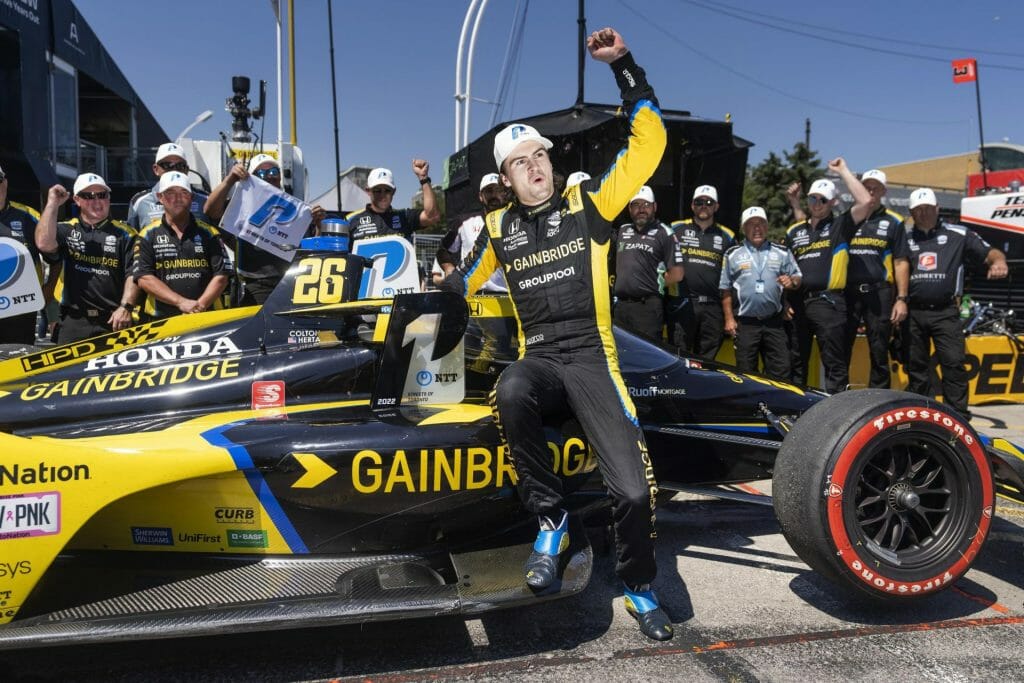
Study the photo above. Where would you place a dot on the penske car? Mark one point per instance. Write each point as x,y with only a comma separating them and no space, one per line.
329,459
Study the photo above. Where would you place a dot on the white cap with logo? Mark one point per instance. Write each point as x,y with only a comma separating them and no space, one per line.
753,212
708,191
488,180
874,174
510,137
826,188
576,177
169,149
87,180
261,159
173,179
922,195
645,193
380,176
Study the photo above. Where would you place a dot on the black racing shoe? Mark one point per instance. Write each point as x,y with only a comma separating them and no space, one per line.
643,606
542,565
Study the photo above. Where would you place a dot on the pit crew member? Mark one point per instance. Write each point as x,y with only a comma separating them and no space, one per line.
694,309
877,279
457,245
378,218
179,260
820,245
641,247
758,271
938,251
98,294
144,207
18,222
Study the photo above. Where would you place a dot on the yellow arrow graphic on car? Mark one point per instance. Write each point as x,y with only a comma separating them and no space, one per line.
317,471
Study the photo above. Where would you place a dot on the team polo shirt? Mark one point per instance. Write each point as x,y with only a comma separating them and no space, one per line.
638,253
368,223
753,275
97,261
702,251
879,240
185,264
822,252
18,222
937,262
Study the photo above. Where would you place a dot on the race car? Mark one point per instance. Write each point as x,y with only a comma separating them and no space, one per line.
325,459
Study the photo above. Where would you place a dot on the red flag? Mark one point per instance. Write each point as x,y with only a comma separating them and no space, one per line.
965,70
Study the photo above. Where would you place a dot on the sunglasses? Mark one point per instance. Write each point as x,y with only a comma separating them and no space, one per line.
264,173
93,195
704,202
815,199
173,166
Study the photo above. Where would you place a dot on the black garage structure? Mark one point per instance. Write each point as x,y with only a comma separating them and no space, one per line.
66,108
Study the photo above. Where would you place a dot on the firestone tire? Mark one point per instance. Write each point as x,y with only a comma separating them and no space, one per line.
887,494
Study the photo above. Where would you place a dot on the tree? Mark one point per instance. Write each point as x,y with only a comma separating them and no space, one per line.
766,184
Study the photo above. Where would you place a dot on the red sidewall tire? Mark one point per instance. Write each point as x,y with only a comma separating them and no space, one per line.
886,493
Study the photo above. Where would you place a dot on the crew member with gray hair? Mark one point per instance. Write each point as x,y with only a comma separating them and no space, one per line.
758,271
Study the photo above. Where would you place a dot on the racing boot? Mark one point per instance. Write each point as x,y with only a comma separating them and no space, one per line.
542,565
642,605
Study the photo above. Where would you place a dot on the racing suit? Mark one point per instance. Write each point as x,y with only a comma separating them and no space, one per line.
555,259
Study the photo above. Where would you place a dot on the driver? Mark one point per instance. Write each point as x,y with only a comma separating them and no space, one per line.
554,252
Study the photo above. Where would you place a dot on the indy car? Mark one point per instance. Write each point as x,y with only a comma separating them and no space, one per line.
330,459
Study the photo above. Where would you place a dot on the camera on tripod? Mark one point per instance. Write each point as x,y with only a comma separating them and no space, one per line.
238,106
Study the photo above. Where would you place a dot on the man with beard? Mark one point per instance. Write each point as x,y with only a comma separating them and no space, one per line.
459,241
554,250
640,248
694,309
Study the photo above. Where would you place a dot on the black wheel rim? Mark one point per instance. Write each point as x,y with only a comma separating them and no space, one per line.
911,498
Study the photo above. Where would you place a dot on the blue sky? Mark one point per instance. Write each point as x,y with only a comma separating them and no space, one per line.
874,101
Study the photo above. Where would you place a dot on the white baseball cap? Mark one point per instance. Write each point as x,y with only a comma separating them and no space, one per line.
488,180
173,179
753,212
169,149
708,191
88,180
576,178
261,159
826,188
874,174
645,193
510,137
380,176
922,195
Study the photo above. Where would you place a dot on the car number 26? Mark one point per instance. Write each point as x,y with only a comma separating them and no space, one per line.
321,282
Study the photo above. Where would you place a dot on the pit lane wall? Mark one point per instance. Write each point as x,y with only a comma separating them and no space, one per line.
995,369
